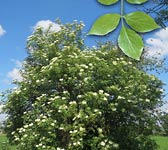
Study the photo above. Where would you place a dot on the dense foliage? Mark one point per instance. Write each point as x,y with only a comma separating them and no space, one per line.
164,123
77,98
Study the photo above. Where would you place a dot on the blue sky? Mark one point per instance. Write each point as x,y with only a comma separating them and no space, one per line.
18,17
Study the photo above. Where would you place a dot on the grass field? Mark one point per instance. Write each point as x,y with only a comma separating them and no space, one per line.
160,140
4,145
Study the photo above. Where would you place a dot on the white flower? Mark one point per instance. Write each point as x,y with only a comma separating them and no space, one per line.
72,102
104,98
84,102
115,145
102,143
101,91
17,91
114,109
25,135
94,93
43,120
81,70
75,131
37,81
147,100
13,133
129,101
48,103
53,124
16,139
37,120
85,79
114,62
96,110
81,129
100,130
79,96
56,97
31,124
106,94
121,97
65,92
63,98
61,79
26,126
74,143
90,64
60,148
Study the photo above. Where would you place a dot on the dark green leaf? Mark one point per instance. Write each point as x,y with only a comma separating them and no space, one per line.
140,22
107,2
105,24
130,43
137,1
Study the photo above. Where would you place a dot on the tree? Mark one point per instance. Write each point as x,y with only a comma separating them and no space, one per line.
160,10
164,122
74,97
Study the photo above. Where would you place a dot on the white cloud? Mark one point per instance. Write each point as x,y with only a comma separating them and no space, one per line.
47,24
14,74
158,44
2,31
18,63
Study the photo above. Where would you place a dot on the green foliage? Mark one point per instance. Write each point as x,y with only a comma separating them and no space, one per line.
138,21
134,42
164,123
102,26
137,1
79,98
107,2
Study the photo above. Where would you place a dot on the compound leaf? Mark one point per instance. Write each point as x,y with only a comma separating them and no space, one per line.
105,24
130,43
140,22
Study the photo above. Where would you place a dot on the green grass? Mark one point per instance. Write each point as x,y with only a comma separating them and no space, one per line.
4,144
162,141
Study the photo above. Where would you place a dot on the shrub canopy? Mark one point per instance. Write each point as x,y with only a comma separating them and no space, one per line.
78,98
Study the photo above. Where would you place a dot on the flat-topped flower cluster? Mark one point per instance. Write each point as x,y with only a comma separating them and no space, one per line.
77,98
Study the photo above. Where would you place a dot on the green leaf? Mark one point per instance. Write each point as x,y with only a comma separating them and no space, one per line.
107,2
105,24
130,43
137,1
140,22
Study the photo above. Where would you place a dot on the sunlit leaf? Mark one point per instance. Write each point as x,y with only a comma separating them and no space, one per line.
137,1
140,22
107,2
130,43
105,24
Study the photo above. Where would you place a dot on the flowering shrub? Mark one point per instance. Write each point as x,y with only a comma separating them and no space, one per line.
78,98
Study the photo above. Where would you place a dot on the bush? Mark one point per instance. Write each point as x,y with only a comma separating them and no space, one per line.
78,98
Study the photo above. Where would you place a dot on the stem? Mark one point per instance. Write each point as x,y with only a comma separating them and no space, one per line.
122,10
